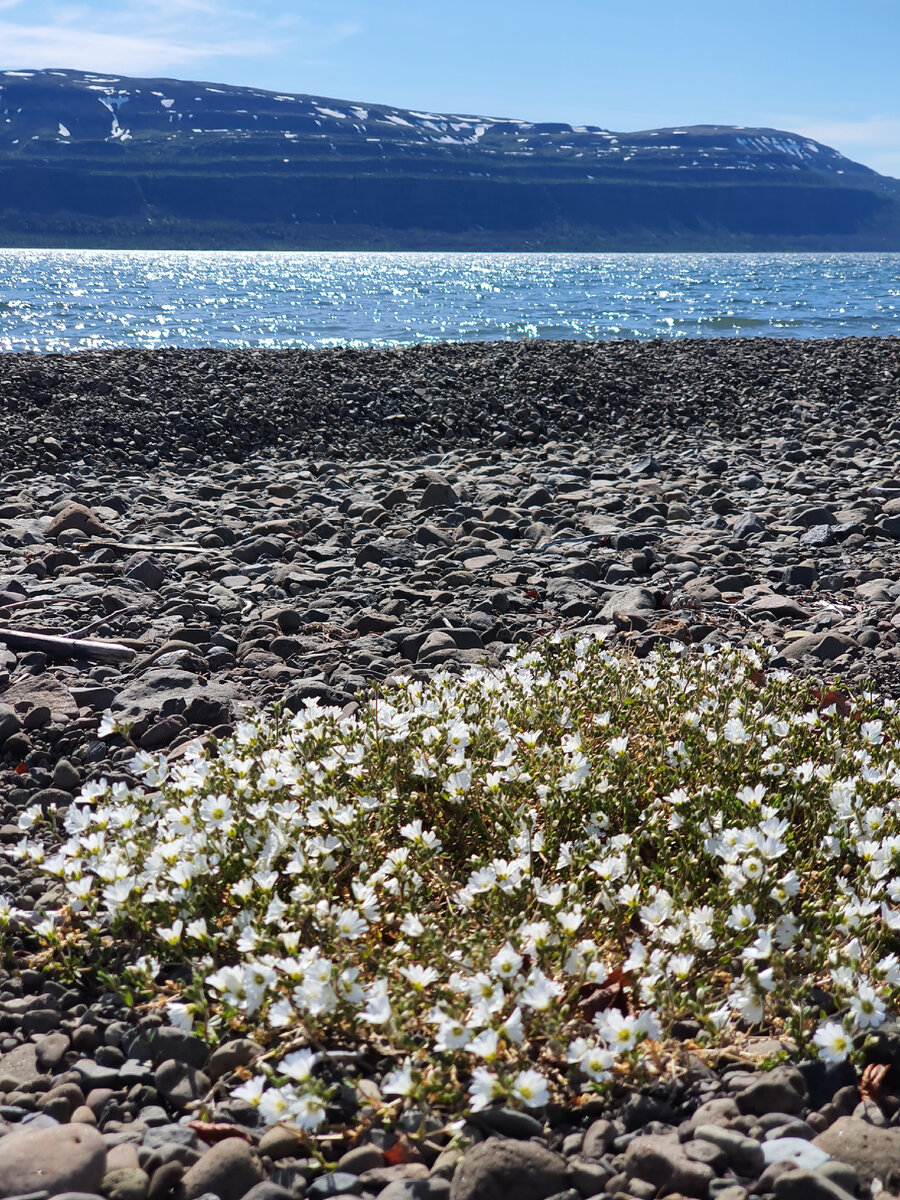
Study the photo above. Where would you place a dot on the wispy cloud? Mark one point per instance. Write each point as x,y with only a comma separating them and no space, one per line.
30,46
154,37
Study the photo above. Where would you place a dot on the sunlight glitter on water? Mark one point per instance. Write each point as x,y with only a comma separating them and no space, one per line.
59,300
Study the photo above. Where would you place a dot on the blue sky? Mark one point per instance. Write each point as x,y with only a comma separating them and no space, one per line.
825,68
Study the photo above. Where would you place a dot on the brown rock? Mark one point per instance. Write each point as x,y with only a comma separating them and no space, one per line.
76,516
872,1151
66,1158
229,1170
507,1167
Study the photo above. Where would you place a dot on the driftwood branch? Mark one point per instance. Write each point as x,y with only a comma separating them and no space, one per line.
66,647
163,547
113,616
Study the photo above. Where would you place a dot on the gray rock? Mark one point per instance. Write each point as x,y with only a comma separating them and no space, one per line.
67,1158
823,646
800,575
840,1173
745,1154
808,517
335,1183
599,1138
126,1183
229,1170
146,570
589,1177
508,1122
438,495
808,1185
170,1042
783,608
819,535
503,1167
180,1083
774,1092
19,1068
66,776
282,1142
718,1111
701,1151
624,608
661,1160
239,1052
747,525
169,691
268,1191
10,722
50,1051
361,1158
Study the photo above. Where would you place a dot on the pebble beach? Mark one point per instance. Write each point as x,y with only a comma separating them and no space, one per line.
259,528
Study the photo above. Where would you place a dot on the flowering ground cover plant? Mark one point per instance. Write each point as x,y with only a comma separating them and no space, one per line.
512,881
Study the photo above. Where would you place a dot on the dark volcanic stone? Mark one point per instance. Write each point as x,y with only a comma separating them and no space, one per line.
501,1166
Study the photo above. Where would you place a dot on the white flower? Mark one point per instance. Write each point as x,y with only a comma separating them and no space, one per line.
180,1016
378,1007
276,1103
530,1088
618,1031
742,916
871,732
748,1004
597,1062
539,992
308,1111
833,1042
484,1088
108,724
513,1027
351,925
172,935
761,948
868,1007
735,732
251,1091
506,962
452,1035
298,1066
680,965
420,977
484,1045
399,1082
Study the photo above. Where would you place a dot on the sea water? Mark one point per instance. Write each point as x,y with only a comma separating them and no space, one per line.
61,300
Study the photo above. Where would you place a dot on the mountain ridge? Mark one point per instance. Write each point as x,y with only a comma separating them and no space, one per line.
89,158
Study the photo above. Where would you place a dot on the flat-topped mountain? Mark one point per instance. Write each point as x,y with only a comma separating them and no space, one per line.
91,159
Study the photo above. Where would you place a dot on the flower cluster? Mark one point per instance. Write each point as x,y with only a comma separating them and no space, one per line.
512,880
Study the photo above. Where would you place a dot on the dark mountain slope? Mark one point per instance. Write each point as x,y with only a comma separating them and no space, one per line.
101,160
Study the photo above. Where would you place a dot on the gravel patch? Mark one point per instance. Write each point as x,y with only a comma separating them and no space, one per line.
266,527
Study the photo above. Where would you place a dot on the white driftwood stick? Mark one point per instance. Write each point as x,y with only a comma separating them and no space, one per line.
162,547
66,647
